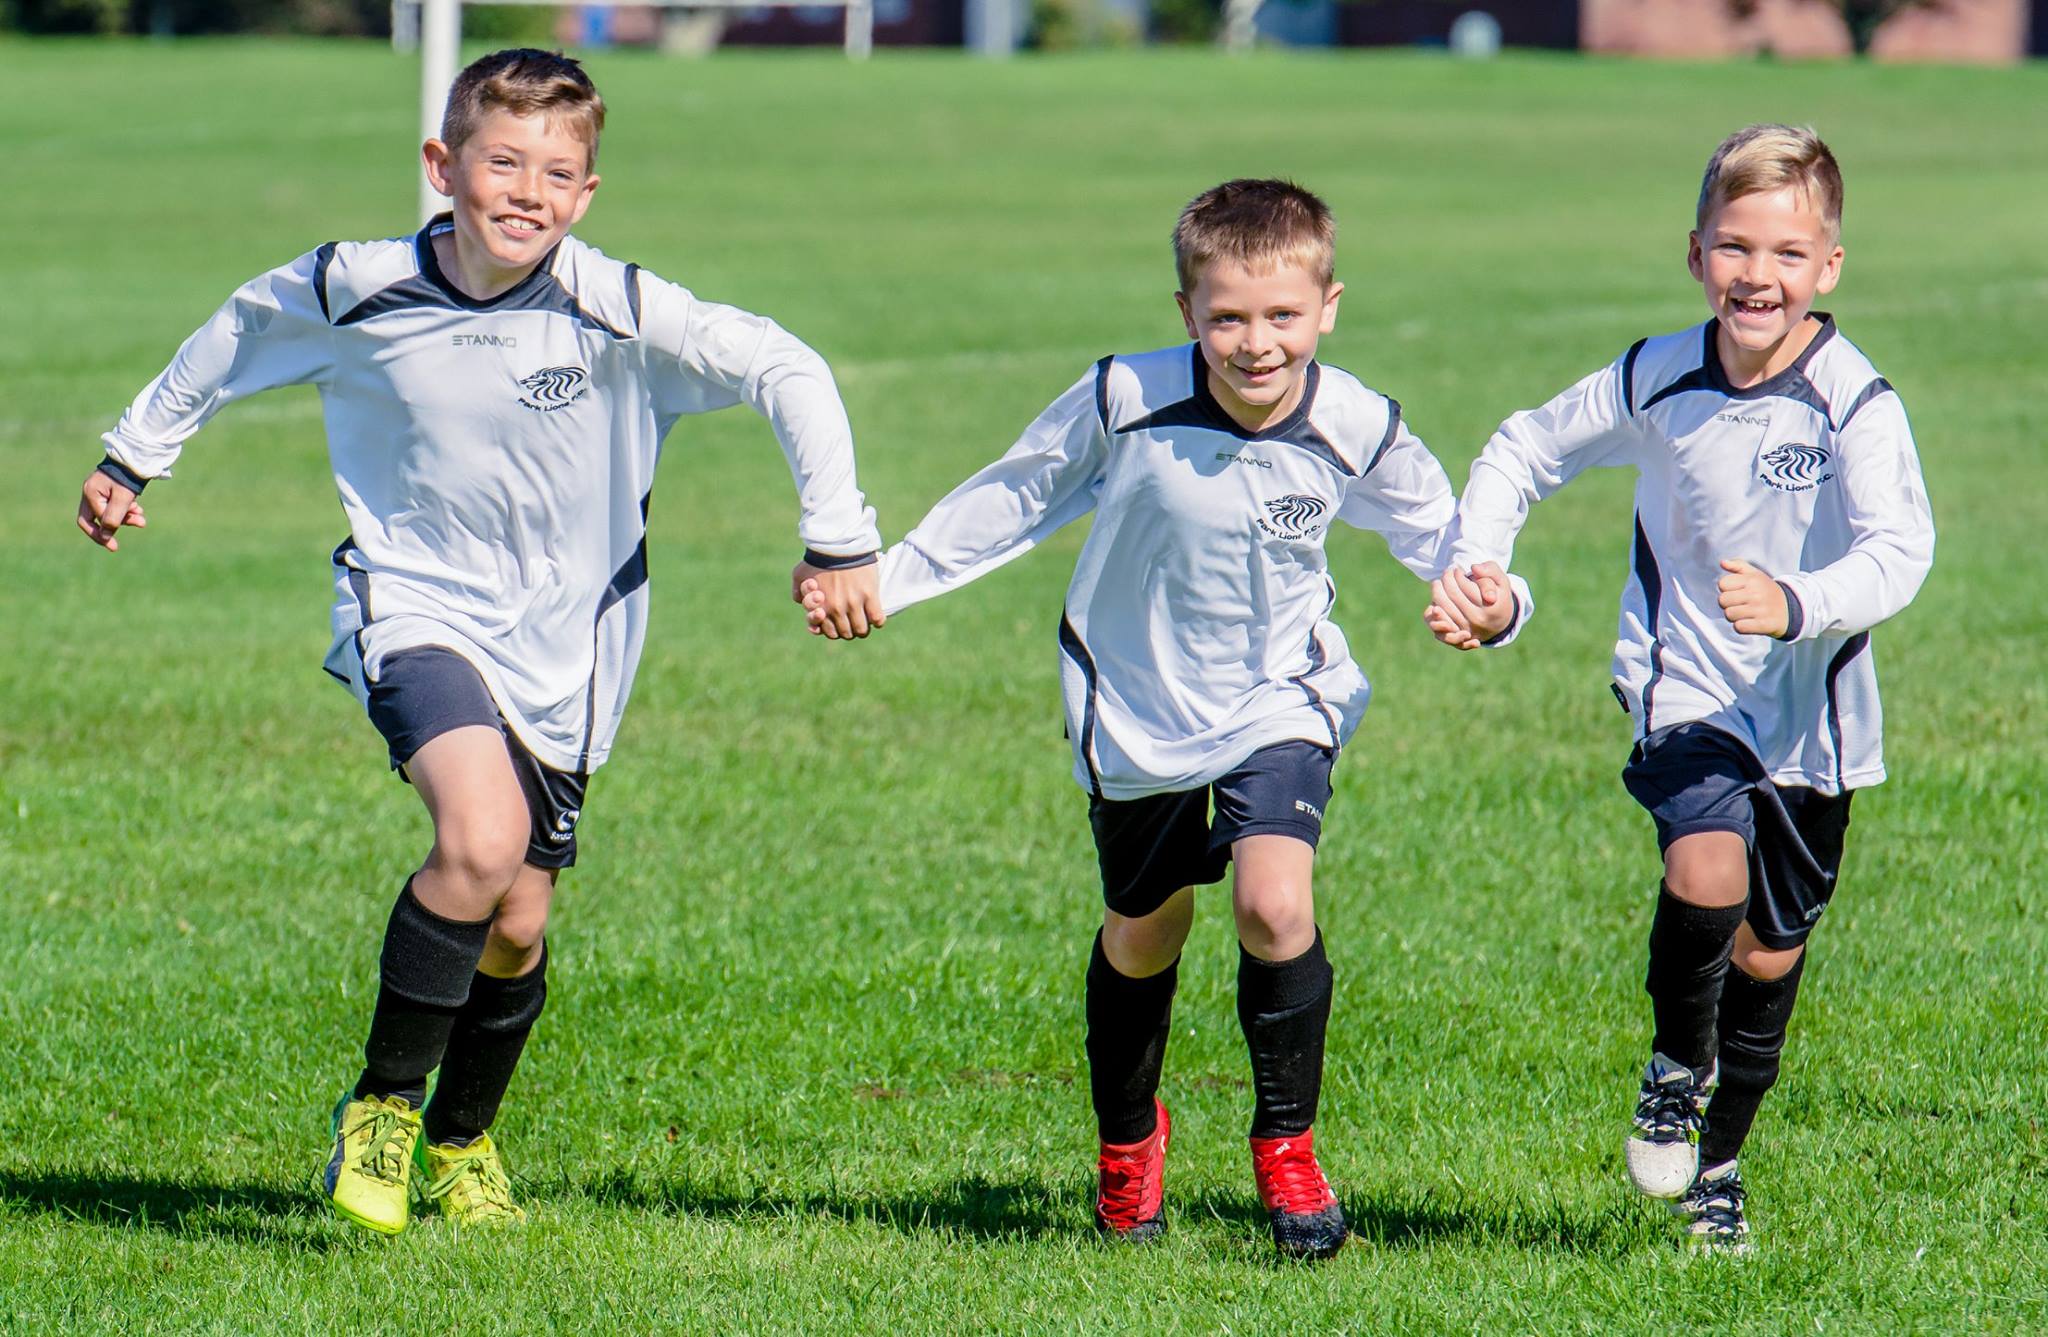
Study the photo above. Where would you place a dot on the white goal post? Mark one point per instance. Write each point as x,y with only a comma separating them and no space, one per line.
440,35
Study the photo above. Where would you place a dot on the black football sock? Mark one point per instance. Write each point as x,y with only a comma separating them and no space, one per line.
1689,949
483,1050
423,983
1754,1017
1128,1022
1284,1007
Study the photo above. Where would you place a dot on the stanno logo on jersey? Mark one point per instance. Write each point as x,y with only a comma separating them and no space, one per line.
1795,468
486,341
1295,516
553,388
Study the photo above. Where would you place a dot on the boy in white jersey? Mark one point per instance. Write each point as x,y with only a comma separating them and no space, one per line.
496,394
1199,662
1780,515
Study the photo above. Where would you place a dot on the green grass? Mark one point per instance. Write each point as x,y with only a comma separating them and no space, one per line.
813,1058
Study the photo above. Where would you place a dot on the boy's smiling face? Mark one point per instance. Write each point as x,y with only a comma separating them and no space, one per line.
1763,259
1258,333
517,186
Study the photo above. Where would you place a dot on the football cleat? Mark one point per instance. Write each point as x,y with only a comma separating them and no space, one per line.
1712,1211
468,1185
1130,1185
368,1177
1663,1145
1307,1222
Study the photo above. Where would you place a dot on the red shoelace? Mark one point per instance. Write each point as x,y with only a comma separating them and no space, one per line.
1131,1179
1289,1179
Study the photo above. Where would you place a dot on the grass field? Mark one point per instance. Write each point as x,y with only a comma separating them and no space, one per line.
813,1057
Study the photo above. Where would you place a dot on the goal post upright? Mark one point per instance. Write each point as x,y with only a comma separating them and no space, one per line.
440,49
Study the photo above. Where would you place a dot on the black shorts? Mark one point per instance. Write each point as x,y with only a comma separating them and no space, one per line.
423,693
1694,777
1151,847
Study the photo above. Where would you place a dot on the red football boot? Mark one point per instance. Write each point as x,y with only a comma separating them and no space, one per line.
1130,1183
1307,1222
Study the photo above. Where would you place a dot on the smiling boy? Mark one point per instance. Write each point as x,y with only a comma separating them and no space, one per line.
1199,663
496,395
1780,515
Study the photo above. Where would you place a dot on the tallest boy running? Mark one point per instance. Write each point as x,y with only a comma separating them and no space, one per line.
496,395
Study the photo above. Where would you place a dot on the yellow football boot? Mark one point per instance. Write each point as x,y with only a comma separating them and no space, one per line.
468,1185
368,1179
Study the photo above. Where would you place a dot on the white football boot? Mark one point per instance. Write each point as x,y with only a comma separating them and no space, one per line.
1664,1141
1712,1212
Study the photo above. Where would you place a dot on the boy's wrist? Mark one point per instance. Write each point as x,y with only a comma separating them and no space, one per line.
1514,620
1795,613
825,561
123,475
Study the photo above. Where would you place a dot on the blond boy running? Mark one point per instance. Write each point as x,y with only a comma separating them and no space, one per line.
1780,515
1199,663
496,395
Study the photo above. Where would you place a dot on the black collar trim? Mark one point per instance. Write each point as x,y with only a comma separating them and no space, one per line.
1200,409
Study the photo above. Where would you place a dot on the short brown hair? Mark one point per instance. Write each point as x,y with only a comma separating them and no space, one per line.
1762,158
1260,225
523,81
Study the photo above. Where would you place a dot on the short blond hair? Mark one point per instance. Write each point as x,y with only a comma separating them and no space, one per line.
1763,158
1260,224
525,82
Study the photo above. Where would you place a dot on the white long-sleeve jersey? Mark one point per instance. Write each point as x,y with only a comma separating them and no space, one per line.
495,458
1811,476
1197,627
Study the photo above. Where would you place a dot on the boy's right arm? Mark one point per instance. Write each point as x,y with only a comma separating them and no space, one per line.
1531,455
710,356
1044,482
272,332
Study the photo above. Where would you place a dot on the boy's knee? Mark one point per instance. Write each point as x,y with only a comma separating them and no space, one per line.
1763,963
514,947
1275,921
484,856
1709,868
1141,946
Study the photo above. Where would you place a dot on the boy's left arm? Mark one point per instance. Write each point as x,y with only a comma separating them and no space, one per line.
725,356
1406,498
1889,557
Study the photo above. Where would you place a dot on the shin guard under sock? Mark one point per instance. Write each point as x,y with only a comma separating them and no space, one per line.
1284,1007
483,1050
423,982
1128,1023
1754,1016
1689,949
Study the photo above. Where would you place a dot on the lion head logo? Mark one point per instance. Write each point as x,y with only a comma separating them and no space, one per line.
1795,468
1295,516
552,388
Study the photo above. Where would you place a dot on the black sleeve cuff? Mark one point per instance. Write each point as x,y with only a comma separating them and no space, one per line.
825,561
123,475
1513,622
1795,614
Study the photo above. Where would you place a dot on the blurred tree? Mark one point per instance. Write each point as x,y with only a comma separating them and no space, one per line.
1185,20
313,18
1864,17
65,16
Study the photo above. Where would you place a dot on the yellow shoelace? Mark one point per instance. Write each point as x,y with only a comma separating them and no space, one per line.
383,1159
477,1185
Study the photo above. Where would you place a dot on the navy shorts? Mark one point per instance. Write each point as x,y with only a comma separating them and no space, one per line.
423,693
1694,777
1151,847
